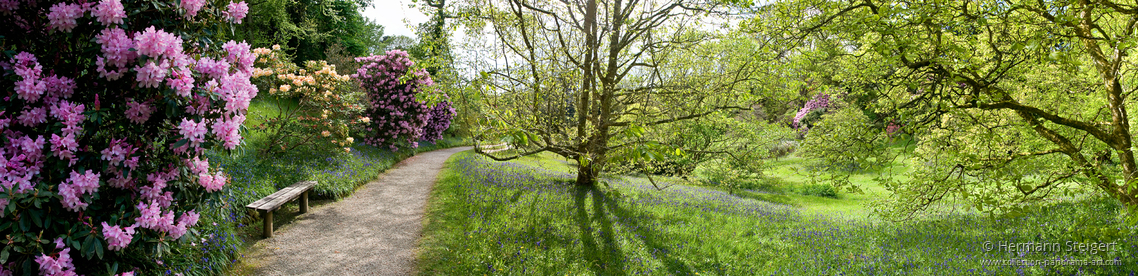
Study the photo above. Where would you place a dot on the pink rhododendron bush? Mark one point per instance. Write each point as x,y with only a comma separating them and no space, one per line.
399,102
104,119
327,104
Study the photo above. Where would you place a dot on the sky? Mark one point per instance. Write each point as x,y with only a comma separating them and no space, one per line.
391,14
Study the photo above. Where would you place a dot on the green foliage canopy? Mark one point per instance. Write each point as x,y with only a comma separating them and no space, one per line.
1011,101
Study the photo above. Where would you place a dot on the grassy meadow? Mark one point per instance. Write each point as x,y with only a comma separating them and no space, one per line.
527,218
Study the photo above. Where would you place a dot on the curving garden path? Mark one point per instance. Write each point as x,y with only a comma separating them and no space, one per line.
372,232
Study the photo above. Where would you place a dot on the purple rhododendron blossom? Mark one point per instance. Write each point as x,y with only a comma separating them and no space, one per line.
117,237
192,7
62,16
109,12
236,11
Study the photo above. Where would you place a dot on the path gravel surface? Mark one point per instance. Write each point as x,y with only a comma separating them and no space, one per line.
372,232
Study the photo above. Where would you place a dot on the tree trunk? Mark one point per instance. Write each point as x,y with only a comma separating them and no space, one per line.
587,175
597,154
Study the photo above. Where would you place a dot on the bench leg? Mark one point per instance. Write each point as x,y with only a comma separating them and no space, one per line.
304,202
268,224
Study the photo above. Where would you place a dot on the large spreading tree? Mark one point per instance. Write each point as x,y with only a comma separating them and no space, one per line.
1011,101
593,81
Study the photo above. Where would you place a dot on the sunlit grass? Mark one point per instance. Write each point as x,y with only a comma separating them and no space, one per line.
503,218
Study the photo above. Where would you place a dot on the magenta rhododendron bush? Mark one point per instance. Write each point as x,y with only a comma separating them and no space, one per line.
394,90
438,120
104,119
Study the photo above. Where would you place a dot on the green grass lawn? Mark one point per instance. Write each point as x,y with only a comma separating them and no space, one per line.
527,218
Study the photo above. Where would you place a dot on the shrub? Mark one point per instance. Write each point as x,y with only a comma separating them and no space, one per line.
100,163
812,111
394,91
783,148
727,176
327,103
822,190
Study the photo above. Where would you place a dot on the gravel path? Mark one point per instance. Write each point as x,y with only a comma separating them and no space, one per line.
372,232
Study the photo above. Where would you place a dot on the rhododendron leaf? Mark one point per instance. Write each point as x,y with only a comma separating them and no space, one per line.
88,247
181,142
99,248
37,216
25,224
4,254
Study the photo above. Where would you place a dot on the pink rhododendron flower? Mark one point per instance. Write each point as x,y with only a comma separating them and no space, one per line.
8,6
149,215
62,16
174,229
109,12
116,46
30,89
64,147
182,82
26,65
154,43
117,152
120,182
75,186
71,114
138,112
228,131
56,266
154,193
117,237
131,163
192,7
189,218
236,11
198,166
215,69
194,131
58,88
151,74
33,117
237,92
212,183
239,55
100,67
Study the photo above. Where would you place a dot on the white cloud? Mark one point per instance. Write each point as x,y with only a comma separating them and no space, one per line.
395,16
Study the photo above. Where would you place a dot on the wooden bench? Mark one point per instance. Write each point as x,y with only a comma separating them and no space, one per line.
274,201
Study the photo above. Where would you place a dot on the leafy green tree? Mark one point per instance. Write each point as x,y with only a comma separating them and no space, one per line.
588,80
1011,101
307,28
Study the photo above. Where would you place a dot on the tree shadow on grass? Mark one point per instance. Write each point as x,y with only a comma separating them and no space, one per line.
640,224
604,258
